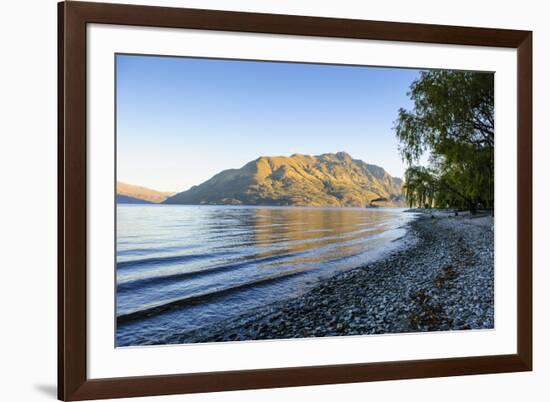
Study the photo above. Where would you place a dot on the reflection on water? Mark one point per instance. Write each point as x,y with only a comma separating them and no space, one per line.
180,268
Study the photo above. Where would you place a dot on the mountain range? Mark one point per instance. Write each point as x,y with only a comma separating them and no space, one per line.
331,179
130,194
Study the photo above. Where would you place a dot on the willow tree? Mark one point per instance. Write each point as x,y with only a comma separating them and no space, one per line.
452,120
420,186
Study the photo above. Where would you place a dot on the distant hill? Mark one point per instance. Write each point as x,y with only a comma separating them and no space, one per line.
124,199
130,194
301,180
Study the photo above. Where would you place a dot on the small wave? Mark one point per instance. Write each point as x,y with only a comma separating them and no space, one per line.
166,260
189,300
241,263
149,250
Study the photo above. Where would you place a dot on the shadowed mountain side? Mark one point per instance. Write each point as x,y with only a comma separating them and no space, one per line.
130,194
301,180
124,199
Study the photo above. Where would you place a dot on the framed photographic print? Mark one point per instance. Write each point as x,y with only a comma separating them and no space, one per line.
253,200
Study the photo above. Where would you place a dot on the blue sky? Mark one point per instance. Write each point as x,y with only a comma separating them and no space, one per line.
182,120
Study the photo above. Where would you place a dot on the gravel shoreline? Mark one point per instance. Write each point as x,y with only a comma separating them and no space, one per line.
444,281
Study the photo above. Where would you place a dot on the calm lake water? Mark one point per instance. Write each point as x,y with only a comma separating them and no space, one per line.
180,268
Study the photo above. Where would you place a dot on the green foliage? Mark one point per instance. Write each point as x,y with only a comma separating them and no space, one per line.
452,120
420,186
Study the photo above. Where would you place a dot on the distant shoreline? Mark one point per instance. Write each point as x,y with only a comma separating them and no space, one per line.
258,206
443,282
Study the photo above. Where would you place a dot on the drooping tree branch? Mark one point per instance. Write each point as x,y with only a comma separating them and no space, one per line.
453,120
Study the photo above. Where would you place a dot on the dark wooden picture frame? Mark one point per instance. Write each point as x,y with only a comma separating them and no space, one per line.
73,382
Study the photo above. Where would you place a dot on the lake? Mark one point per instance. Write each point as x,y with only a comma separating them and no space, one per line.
181,268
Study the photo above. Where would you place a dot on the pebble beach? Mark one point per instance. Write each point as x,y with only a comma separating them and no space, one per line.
443,280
